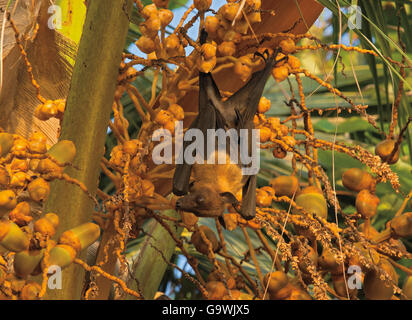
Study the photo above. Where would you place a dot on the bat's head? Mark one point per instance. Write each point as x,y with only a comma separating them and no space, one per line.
205,200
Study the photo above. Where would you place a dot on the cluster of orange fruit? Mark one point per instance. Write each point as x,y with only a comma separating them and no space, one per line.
26,168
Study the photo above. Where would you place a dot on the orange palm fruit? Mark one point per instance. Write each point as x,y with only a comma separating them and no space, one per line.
200,244
145,44
4,177
81,236
21,214
366,204
329,261
230,221
263,198
275,281
356,179
242,68
61,255
265,134
407,288
6,143
211,25
376,288
287,46
285,185
264,105
25,262
401,226
206,65
189,218
12,237
202,5
165,16
216,290
161,3
313,201
384,150
8,201
39,189
30,291
339,284
280,73
293,62
208,50
177,111
226,48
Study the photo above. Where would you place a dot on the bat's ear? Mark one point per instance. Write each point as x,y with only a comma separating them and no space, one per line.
228,197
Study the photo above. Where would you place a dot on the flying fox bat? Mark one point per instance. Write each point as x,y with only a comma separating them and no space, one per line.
216,184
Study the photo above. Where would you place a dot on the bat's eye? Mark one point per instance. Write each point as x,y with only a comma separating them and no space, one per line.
200,199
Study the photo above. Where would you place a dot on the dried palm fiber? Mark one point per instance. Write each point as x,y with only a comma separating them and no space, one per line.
48,52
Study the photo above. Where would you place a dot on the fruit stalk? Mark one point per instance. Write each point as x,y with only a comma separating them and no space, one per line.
91,92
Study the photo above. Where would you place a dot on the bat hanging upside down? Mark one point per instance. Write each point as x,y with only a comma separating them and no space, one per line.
214,185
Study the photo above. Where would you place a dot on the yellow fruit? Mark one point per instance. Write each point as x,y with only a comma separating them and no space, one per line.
12,237
206,66
329,261
145,44
254,17
293,62
149,11
407,288
6,142
313,201
63,151
265,134
25,262
242,68
287,46
226,48
229,10
39,189
208,50
263,199
377,289
200,244
44,227
401,226
356,179
189,219
148,188
264,105
384,150
161,3
285,185
211,24
61,255
163,117
279,152
177,111
4,177
8,201
216,290
81,237
275,281
202,5
366,204
172,43
20,215
280,73
30,291
165,16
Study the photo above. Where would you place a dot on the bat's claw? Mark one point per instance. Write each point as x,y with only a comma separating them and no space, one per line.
260,55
